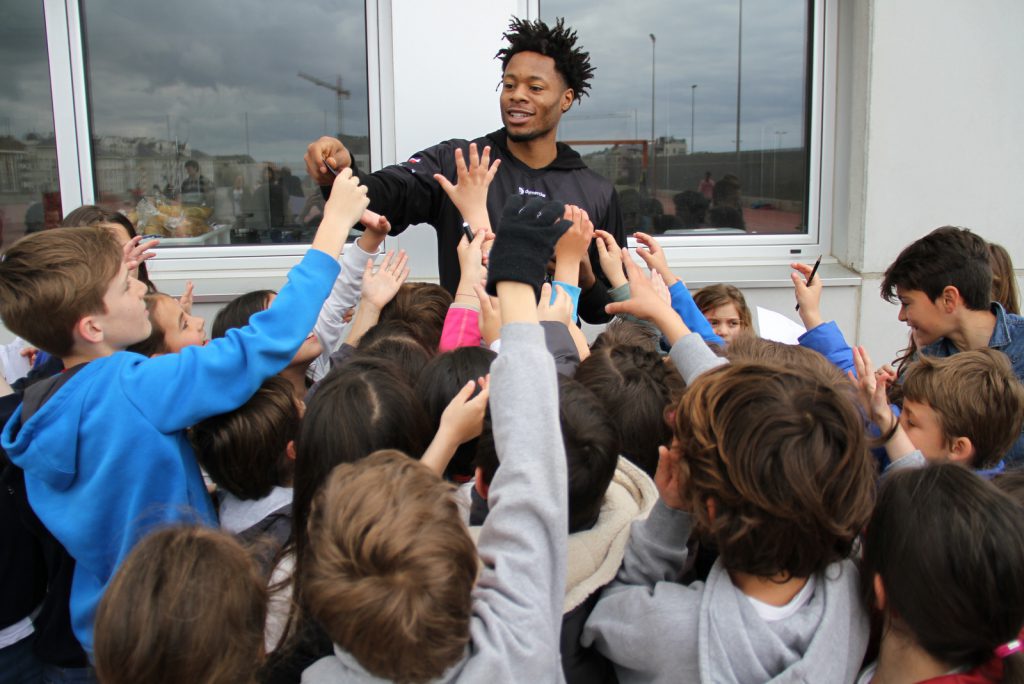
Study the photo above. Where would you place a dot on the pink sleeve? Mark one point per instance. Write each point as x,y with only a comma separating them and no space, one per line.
461,329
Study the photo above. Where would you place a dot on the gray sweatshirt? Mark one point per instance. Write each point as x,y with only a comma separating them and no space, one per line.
517,601
691,357
657,630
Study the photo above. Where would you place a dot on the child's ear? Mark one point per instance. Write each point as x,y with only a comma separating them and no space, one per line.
479,485
712,510
950,298
879,588
289,449
88,330
961,450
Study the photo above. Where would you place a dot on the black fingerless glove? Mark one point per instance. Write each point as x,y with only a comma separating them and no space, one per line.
525,241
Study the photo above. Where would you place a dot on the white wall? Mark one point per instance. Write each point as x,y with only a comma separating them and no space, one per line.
445,85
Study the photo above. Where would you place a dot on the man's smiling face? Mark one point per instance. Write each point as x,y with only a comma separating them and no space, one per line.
533,97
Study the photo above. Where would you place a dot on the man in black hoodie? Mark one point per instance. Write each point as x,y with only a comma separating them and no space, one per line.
543,73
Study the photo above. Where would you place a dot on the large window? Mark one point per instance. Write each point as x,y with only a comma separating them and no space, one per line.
699,111
29,188
201,112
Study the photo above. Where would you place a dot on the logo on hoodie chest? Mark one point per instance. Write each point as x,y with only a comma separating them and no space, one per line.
531,193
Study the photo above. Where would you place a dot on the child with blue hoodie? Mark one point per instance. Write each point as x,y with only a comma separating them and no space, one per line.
771,463
103,445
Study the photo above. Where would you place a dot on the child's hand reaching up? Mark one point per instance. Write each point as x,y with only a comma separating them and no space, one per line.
461,421
644,302
572,246
671,476
654,256
470,195
375,228
610,256
345,207
471,265
187,297
524,242
381,286
135,251
490,316
558,310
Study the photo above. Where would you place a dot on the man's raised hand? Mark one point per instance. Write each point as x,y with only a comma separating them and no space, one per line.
325,151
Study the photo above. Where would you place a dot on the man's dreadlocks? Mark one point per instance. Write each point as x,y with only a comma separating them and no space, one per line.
558,43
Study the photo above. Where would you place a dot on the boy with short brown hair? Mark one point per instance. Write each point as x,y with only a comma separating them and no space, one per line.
103,445
967,408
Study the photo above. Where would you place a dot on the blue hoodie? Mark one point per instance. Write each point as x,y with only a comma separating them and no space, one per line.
105,453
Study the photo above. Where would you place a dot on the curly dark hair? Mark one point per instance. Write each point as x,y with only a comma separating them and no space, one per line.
558,43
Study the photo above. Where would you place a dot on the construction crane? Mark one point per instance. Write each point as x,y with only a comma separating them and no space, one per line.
341,93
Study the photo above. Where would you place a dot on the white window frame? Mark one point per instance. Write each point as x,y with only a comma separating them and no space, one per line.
238,268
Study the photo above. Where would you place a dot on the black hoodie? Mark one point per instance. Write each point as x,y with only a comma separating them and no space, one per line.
408,194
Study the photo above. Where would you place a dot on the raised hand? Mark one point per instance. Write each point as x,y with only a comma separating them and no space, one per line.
381,286
187,297
610,257
808,295
490,316
524,242
644,302
871,385
375,228
654,256
345,207
135,251
461,421
557,309
470,194
671,477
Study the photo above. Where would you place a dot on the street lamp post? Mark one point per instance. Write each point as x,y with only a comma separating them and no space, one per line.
739,83
653,185
693,104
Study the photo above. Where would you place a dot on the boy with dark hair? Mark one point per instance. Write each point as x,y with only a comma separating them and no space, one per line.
249,453
103,445
544,72
370,549
943,283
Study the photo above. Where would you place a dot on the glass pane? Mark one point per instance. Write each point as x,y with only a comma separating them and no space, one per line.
29,189
686,75
201,112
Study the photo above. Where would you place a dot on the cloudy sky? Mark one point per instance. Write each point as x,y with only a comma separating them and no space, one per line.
696,43
192,70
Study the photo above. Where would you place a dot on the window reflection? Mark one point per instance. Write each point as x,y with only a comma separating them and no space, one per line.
670,146
29,187
199,136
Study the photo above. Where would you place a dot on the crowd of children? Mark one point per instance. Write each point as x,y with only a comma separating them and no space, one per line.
364,479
